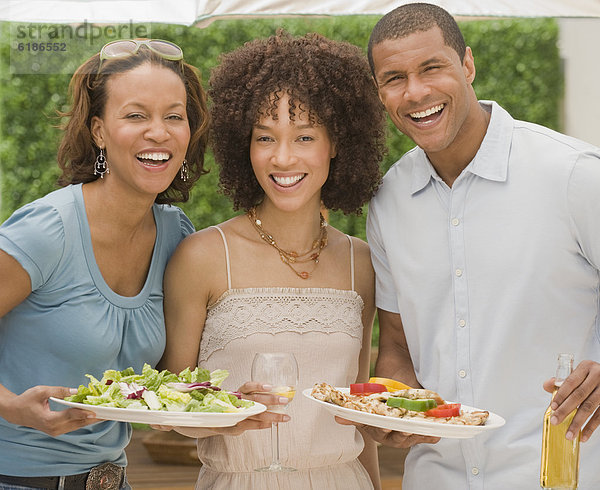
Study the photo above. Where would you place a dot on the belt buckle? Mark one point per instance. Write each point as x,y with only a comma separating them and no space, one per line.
106,476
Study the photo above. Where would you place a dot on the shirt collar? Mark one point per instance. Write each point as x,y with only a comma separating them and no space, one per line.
491,160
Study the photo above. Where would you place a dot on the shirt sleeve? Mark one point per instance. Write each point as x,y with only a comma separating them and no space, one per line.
34,236
385,292
187,227
584,205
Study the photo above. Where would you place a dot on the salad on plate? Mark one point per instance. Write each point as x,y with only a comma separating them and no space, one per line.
196,390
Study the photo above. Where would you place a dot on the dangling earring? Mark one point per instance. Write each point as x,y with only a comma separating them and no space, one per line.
100,165
184,171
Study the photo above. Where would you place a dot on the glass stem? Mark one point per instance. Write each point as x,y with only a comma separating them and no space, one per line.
275,444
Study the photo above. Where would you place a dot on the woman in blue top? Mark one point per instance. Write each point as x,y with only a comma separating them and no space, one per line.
82,267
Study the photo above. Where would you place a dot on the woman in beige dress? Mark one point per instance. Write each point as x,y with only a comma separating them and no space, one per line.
297,127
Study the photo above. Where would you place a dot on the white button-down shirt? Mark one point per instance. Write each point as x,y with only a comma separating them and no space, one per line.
493,278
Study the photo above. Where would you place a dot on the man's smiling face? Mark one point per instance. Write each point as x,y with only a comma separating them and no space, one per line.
425,87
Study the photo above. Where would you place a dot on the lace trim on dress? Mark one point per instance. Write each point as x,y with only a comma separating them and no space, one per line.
239,313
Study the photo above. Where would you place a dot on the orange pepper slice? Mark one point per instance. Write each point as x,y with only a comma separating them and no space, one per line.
390,384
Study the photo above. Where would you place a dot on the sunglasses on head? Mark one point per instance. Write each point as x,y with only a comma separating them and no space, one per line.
129,47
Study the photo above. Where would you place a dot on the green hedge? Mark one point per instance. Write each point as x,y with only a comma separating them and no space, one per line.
517,64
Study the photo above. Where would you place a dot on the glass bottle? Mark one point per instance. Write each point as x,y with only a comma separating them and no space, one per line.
560,456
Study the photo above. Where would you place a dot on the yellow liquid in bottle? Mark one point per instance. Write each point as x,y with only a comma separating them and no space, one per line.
560,457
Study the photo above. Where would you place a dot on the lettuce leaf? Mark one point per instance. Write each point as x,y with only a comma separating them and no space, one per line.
150,390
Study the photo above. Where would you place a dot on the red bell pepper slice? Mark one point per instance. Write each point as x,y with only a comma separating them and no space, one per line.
447,410
366,388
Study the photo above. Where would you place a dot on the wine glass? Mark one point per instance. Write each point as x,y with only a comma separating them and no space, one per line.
280,370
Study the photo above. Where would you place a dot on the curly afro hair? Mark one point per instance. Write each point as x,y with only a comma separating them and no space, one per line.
328,79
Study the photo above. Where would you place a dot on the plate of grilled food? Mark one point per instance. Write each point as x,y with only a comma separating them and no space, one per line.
415,411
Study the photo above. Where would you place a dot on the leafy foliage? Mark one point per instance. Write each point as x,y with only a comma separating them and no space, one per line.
517,63
517,60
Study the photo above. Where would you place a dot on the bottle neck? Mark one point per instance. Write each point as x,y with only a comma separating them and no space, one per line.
563,369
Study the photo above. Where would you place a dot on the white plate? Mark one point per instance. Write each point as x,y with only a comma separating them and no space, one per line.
163,417
414,426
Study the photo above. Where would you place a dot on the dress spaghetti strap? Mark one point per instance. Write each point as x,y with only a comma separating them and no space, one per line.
351,260
227,257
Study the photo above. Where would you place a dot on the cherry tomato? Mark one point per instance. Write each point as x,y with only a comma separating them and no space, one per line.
366,388
447,410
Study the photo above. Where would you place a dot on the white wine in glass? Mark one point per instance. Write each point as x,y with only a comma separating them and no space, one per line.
280,370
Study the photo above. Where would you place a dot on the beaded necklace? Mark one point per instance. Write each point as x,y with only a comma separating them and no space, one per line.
290,258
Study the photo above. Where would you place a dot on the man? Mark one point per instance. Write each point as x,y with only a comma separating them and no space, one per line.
485,240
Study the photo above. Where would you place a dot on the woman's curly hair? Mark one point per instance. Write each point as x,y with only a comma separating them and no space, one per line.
331,80
88,92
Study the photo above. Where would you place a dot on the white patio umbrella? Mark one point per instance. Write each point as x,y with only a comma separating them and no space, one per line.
202,12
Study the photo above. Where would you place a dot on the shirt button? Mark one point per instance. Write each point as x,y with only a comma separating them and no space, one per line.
455,221
462,323
462,373
459,272
475,470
